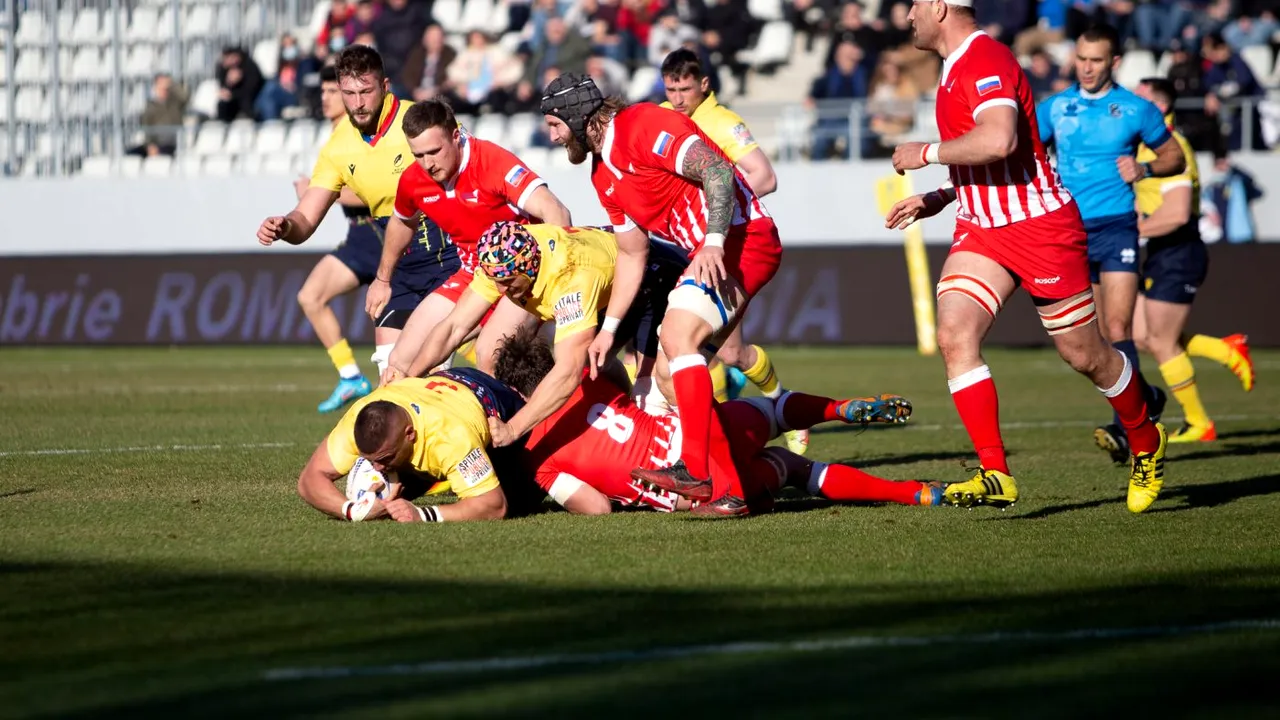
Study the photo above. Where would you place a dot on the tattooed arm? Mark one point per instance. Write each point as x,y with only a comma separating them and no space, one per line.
716,174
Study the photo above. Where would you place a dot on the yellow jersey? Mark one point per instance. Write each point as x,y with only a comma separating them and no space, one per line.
451,429
370,167
574,279
1150,191
724,126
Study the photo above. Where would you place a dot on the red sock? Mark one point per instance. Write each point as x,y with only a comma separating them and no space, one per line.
801,412
724,473
1131,407
974,394
694,396
849,484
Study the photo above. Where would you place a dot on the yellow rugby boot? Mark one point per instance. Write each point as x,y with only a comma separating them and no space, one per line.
988,487
1146,475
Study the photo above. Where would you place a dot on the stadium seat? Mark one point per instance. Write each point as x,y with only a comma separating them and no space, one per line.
449,14
319,15
1260,61
467,121
492,127
130,166
87,66
4,111
218,166
520,130
157,166
499,19
766,10
32,30
301,137
249,164
141,61
87,28
267,55
510,42
143,24
66,21
198,59
322,132
475,15
537,158
30,67
558,159
1137,64
188,165
279,165
211,138
239,136
772,48
204,100
642,83
199,23
271,135
98,166
254,21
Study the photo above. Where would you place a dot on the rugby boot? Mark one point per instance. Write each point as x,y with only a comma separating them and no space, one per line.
348,389
1146,475
891,409
1241,364
987,487
727,506
1112,439
1194,433
676,479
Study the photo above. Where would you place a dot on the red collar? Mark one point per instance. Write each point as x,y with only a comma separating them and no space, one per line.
386,122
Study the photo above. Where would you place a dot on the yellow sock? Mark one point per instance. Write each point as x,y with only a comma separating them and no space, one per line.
762,375
1209,347
1180,376
630,367
343,359
468,351
719,383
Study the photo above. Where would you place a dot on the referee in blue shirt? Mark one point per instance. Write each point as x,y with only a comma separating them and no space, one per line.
1095,127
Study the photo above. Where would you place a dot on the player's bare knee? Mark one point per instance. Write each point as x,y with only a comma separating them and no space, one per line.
958,343
1119,329
732,355
309,300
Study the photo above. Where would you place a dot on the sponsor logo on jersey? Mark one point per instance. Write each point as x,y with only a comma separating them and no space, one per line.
1048,281
609,192
743,135
663,144
474,468
1114,110
516,175
568,309
430,199
988,85
1128,255
352,168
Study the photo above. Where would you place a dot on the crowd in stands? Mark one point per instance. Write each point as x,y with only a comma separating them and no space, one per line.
870,58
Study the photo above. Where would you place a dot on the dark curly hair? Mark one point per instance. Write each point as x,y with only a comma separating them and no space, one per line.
523,360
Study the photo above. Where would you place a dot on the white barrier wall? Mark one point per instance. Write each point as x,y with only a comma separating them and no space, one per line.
817,204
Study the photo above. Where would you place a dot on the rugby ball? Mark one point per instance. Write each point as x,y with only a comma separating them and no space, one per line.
364,480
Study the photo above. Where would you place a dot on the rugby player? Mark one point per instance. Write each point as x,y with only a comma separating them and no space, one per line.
367,152
561,275
582,455
1096,127
688,91
463,185
1016,225
656,173
353,264
436,427
1175,267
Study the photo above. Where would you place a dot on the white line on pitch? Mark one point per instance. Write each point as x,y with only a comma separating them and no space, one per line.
854,642
209,389
144,449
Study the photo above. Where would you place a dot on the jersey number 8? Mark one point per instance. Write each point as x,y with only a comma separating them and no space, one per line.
603,417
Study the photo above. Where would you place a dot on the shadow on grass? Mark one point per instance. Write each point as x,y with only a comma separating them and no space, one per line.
1227,448
198,645
16,493
1200,495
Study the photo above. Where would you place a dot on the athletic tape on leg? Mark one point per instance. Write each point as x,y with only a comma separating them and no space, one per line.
690,296
1075,315
973,288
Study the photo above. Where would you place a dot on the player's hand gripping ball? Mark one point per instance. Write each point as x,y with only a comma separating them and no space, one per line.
365,484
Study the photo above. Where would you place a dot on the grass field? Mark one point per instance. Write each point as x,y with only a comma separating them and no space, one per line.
156,561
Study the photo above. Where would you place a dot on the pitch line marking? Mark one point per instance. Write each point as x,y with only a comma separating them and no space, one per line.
853,642
1049,424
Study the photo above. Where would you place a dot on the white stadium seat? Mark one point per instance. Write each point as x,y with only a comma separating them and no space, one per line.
766,10
188,165
1137,64
491,127
32,29
164,29
205,99
130,166
271,136
773,47
537,158
199,22
218,166
449,14
267,55
98,166
642,84
141,61
520,130
30,67
1260,61
88,29
475,15
319,16
499,18
301,136
249,164
253,22
212,135
239,137
143,24
157,166
279,165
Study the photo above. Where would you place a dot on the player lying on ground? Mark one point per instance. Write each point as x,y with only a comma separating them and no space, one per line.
560,275
584,454
435,427
464,185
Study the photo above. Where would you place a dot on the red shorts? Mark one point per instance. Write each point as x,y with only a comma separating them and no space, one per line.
1047,255
453,288
753,253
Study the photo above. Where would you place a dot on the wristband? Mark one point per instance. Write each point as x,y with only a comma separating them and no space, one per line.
610,325
929,153
713,240
346,509
429,514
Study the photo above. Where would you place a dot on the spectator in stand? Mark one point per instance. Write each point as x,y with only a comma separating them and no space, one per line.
811,18
635,18
853,28
426,69
1211,19
239,82
891,105
729,25
1186,72
691,12
162,117
396,31
667,35
1119,15
1044,76
1158,22
333,34
282,91
609,75
1049,27
600,17
897,28
541,133
1246,32
563,49
1229,81
845,80
309,81
366,15
518,12
482,76
542,11
1002,19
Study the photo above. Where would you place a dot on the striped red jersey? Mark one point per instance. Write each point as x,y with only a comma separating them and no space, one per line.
979,75
638,177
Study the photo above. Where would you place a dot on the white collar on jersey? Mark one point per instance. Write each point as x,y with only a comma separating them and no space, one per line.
606,149
1095,96
462,164
955,56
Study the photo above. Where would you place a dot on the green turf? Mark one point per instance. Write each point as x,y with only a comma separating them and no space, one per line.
167,569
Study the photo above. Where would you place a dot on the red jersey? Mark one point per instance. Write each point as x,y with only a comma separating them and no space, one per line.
492,185
637,176
981,74
599,437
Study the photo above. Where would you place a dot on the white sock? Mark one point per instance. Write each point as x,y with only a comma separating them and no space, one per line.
382,356
350,371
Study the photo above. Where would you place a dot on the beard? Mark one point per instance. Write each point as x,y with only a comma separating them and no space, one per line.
370,128
577,153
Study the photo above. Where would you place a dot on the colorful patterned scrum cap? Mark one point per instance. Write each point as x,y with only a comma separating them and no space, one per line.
508,249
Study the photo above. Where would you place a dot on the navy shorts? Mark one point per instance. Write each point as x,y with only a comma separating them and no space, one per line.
640,325
1113,244
430,261
362,250
1176,266
510,463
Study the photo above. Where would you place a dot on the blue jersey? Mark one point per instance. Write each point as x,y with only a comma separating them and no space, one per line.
1090,133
